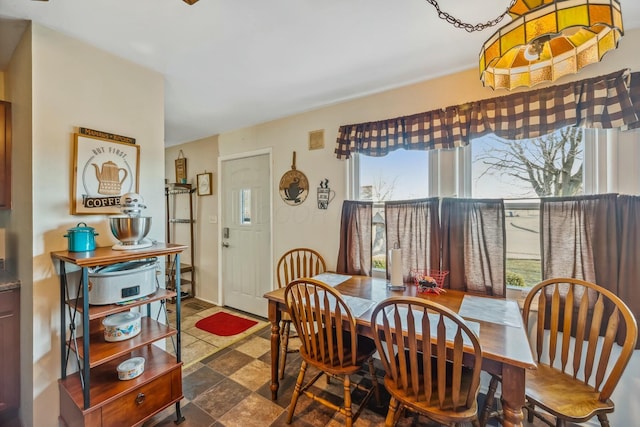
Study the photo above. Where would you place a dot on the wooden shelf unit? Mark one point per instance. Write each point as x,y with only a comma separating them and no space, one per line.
172,193
94,396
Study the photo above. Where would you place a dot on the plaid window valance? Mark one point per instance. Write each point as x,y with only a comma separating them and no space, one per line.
606,102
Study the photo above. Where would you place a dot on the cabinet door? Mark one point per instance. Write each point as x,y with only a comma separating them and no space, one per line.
5,155
9,350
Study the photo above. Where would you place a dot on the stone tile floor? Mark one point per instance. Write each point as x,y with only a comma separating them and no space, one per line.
231,386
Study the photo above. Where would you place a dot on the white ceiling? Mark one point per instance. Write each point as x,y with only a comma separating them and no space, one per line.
229,64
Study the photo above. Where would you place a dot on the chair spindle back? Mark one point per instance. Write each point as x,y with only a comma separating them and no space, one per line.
595,317
325,324
452,346
298,263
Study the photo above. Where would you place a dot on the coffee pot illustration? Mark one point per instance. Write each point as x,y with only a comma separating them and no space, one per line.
108,177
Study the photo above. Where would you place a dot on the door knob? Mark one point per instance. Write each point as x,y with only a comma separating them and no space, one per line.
225,245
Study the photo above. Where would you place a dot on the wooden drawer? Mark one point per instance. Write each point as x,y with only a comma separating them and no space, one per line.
9,354
139,403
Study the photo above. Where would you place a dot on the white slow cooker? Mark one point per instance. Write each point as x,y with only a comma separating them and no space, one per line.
122,282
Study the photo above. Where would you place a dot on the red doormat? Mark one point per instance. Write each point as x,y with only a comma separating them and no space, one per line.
225,324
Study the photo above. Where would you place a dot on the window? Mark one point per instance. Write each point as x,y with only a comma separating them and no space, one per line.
403,175
521,172
400,175
245,206
551,165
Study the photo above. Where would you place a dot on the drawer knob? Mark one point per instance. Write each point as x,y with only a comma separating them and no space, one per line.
140,398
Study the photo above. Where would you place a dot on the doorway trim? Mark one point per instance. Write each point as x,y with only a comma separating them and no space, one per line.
235,156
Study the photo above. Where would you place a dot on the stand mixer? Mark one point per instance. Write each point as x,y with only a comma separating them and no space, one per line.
131,228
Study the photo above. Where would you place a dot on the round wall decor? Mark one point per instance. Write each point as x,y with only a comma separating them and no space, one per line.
294,186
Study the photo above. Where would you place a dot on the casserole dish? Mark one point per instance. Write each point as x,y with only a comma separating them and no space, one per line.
121,326
131,368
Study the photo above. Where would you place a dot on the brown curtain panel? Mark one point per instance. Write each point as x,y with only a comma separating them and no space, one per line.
579,239
414,226
474,245
629,270
611,101
354,255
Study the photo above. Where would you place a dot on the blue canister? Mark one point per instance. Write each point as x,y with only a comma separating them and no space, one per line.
81,238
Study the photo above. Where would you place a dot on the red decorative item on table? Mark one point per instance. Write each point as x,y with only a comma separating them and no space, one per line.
429,281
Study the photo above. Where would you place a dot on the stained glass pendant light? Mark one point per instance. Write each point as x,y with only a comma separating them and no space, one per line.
548,39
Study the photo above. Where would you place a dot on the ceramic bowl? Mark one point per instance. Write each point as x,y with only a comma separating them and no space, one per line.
121,326
131,368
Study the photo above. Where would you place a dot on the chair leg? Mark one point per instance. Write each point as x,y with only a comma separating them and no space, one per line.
347,401
391,414
604,421
296,391
284,346
560,422
374,382
530,408
489,401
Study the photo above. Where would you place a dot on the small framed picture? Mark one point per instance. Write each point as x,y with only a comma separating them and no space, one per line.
205,184
316,139
181,169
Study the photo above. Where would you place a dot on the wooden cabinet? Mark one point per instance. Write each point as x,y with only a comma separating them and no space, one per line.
179,202
93,395
9,354
5,155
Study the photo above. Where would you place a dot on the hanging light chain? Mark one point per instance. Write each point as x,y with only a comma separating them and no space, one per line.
469,27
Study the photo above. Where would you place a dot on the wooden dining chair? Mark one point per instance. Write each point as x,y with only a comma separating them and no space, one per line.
577,371
439,380
330,343
295,264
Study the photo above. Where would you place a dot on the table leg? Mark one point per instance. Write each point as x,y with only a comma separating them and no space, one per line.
513,392
274,317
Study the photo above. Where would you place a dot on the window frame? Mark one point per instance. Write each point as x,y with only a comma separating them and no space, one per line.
450,170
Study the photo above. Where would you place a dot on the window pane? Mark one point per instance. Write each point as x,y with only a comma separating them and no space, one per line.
379,249
400,175
245,206
522,225
551,165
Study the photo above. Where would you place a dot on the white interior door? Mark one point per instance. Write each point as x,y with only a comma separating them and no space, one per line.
246,232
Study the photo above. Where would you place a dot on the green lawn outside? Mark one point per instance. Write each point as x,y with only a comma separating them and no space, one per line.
530,269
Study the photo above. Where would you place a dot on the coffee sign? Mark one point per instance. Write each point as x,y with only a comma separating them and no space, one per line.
103,171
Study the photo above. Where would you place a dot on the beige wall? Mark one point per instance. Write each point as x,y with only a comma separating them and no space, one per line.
20,218
202,156
73,84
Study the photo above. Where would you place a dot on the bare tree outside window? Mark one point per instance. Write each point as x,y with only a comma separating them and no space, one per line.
551,165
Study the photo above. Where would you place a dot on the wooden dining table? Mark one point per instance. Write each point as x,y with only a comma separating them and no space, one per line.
504,341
